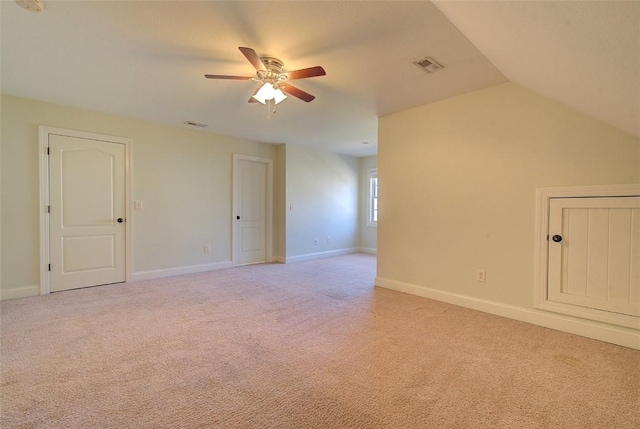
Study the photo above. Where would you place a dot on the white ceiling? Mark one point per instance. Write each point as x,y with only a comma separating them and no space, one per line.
585,54
147,60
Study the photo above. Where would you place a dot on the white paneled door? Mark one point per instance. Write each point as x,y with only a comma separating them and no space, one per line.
87,215
594,253
250,212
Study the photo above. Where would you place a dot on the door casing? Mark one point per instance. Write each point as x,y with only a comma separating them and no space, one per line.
268,208
44,132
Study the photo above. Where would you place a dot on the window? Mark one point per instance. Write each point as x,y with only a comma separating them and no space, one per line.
373,197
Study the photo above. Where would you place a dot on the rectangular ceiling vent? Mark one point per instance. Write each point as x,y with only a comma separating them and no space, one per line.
195,124
429,65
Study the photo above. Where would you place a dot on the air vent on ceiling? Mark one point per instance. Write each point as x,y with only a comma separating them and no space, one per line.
429,65
195,124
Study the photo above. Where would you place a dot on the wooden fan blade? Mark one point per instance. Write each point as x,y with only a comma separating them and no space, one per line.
252,57
219,76
305,73
296,92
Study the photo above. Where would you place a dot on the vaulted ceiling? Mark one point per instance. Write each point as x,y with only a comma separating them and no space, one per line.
147,60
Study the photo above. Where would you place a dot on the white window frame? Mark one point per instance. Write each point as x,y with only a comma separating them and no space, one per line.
372,174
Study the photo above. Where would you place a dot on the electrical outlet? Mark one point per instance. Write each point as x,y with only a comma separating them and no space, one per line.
481,276
328,240
207,248
315,241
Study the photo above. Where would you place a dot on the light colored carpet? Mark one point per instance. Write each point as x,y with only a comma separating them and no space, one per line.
304,345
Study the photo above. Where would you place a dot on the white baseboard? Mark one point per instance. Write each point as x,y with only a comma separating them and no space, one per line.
179,271
319,255
22,292
599,331
372,250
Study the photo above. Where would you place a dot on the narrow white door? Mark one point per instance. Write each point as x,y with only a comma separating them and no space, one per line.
86,224
250,212
594,253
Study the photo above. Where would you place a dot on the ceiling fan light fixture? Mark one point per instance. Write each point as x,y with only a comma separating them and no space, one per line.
265,93
269,92
278,95
31,5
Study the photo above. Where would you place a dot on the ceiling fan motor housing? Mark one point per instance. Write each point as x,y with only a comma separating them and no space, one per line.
273,65
273,73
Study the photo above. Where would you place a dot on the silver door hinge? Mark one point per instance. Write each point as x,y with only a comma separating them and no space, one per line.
49,267
48,209
48,150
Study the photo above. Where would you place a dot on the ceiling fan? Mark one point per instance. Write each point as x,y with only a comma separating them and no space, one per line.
275,81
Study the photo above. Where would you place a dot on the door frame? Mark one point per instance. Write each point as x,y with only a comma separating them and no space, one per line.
543,199
44,132
268,206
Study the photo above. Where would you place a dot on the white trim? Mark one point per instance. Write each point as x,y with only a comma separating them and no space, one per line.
180,271
370,173
22,292
45,285
598,331
269,205
371,250
541,302
280,259
320,255
44,132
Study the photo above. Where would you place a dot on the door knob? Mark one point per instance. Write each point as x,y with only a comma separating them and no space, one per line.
557,238
120,220
238,217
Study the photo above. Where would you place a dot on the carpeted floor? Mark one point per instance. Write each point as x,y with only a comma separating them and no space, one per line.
305,345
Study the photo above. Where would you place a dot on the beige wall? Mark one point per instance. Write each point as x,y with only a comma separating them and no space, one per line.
182,176
368,234
458,180
323,188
